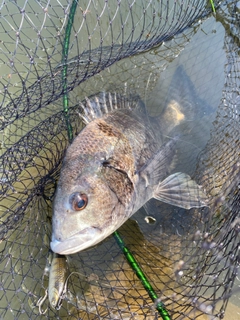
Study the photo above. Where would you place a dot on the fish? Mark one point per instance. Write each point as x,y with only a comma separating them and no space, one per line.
115,165
57,278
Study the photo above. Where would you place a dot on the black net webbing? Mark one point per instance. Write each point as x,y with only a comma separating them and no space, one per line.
55,53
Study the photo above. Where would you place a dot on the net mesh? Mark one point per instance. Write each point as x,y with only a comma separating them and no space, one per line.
53,51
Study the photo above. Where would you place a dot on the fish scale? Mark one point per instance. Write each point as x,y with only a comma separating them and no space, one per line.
113,167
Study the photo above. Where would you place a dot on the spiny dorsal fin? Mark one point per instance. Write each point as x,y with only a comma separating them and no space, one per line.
96,106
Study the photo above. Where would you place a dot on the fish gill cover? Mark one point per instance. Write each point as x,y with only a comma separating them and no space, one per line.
53,54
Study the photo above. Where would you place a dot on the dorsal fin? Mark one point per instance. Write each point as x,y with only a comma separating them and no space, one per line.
100,104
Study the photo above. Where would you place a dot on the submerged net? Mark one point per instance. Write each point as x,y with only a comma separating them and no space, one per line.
53,54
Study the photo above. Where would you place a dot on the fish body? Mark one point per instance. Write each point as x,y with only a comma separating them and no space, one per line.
112,168
57,278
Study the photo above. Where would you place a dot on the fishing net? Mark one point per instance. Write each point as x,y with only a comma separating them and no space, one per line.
55,53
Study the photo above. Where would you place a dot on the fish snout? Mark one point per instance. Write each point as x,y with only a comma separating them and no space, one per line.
78,242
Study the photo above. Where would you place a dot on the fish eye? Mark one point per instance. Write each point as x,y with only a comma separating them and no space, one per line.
78,201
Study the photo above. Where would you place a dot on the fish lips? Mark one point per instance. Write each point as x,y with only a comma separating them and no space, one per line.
78,242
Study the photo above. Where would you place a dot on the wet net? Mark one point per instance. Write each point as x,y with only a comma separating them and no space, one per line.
55,53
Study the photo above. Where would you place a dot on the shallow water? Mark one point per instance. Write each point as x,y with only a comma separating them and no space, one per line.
106,283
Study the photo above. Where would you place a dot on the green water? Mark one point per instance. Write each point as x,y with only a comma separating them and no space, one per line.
106,283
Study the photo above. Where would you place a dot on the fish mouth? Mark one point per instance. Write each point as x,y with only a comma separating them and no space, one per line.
78,242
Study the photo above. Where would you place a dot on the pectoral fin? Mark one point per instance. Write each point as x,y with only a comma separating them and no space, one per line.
180,190
157,166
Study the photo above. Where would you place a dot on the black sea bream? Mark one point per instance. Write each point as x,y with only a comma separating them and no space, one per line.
113,167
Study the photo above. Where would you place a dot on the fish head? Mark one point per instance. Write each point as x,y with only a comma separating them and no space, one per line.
95,190
87,207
